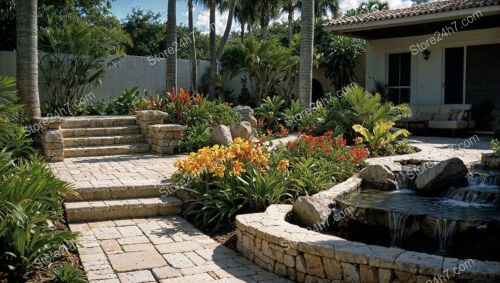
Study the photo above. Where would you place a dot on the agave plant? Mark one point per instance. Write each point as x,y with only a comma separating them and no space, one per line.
67,273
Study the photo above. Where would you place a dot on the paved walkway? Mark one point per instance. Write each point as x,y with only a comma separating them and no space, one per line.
440,148
116,170
166,249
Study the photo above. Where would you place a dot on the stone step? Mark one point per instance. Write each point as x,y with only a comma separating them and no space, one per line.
107,190
106,150
98,121
116,209
101,131
103,140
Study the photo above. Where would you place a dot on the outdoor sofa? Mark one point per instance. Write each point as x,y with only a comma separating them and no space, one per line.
452,117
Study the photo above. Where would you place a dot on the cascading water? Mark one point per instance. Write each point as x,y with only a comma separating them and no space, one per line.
443,232
397,224
482,190
405,181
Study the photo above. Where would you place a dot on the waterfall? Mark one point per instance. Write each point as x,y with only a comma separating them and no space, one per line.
397,223
478,196
405,180
480,180
443,232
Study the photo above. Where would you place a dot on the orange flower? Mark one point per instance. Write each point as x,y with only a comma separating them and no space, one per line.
283,165
238,167
358,140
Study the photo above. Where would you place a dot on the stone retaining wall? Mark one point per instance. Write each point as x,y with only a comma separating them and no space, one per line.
491,160
307,256
51,138
165,138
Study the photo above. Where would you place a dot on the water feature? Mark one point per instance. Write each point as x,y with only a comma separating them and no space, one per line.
443,232
460,221
397,223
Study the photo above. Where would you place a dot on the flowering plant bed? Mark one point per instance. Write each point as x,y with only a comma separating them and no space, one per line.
225,181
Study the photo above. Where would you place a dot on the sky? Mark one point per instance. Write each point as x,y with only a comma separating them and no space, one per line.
121,8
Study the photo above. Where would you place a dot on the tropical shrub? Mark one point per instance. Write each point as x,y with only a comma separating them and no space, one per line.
270,112
78,55
267,63
29,198
495,145
358,106
381,139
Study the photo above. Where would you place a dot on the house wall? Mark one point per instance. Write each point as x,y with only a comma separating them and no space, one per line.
426,76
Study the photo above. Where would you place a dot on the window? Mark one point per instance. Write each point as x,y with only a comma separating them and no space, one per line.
399,77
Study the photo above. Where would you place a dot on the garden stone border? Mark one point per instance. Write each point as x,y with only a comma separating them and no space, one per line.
491,160
307,256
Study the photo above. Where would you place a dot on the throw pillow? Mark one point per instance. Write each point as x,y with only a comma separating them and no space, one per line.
425,116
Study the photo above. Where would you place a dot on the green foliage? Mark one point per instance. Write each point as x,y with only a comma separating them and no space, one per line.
271,111
495,145
146,31
381,136
267,63
216,204
293,115
124,103
339,55
79,55
67,273
197,136
358,106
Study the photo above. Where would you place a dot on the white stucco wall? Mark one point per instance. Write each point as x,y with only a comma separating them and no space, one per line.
131,71
426,76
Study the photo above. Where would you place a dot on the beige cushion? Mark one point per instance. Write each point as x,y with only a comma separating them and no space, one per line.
449,125
432,108
456,115
424,116
441,117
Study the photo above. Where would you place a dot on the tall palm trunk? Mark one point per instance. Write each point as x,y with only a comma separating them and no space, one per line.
264,19
242,32
171,46
213,54
306,53
290,25
27,57
192,48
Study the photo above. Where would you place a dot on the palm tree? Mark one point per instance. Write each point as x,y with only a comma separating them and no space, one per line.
306,53
289,6
171,46
27,57
192,48
246,15
216,52
267,9
375,5
323,7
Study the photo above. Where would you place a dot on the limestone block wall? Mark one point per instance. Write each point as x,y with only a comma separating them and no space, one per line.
51,137
307,256
165,138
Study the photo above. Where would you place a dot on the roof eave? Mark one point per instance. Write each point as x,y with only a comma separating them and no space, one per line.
420,19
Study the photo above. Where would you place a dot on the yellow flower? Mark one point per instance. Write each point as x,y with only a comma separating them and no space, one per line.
219,171
238,167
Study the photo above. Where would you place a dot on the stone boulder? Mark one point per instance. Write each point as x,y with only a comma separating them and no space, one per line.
382,176
247,114
311,211
221,135
442,175
241,130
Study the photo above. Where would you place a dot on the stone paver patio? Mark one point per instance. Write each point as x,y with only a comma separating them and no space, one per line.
166,249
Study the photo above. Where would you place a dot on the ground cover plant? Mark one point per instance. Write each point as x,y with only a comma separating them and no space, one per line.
244,177
29,199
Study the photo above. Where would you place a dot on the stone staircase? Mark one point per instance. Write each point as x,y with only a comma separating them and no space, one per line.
115,202
102,135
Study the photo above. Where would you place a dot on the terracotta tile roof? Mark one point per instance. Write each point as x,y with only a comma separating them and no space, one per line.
429,8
